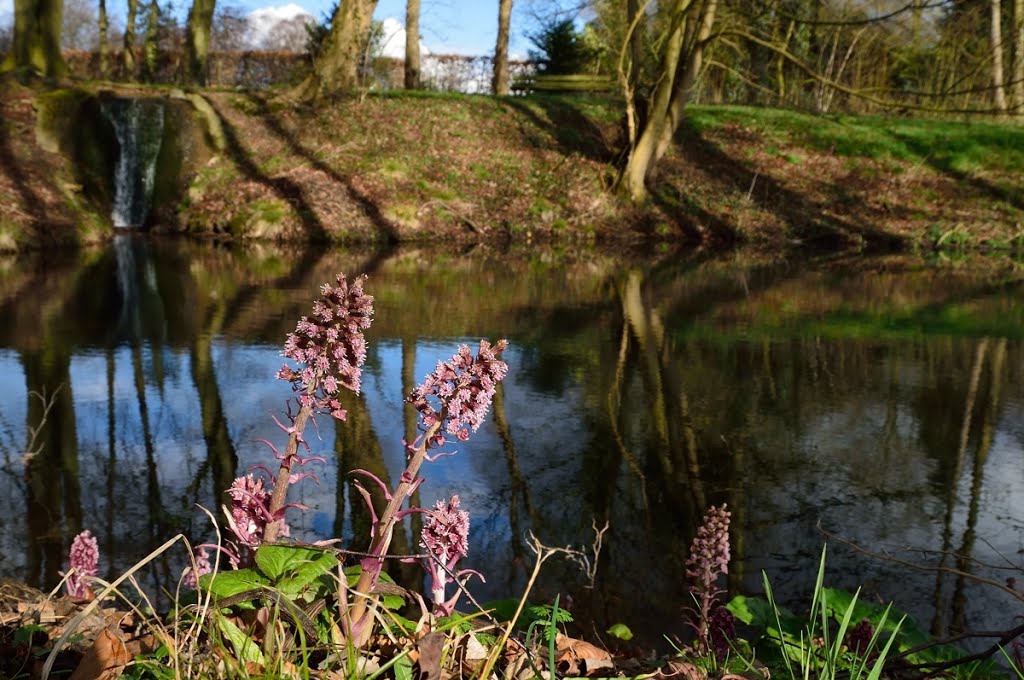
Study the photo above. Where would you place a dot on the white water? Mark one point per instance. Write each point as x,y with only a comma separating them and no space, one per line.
139,125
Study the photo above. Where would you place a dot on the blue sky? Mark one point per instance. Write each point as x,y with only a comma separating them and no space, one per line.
463,26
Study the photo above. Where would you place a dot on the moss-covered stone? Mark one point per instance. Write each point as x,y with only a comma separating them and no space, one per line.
71,122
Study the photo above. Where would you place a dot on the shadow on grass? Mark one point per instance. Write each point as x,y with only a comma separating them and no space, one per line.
804,216
943,163
285,189
357,196
565,120
30,200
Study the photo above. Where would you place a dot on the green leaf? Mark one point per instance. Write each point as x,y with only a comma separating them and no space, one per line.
246,648
23,636
306,573
621,631
403,669
392,601
276,561
228,583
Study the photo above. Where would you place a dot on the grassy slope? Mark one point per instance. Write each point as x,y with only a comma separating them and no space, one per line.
410,167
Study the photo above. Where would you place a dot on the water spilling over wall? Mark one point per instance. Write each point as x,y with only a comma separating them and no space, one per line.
139,124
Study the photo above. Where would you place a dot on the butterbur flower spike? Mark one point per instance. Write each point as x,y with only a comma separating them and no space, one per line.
709,559
329,346
84,561
446,537
458,393
709,552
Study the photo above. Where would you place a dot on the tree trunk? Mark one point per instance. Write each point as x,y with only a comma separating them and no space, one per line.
36,46
129,40
681,60
412,44
694,60
197,42
1018,57
636,41
500,80
996,37
642,156
149,43
336,70
104,25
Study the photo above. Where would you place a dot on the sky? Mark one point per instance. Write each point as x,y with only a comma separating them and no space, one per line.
447,26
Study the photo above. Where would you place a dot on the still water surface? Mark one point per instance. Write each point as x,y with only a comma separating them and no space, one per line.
872,401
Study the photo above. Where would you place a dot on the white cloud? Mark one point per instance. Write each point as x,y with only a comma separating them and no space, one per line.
6,11
393,40
262,21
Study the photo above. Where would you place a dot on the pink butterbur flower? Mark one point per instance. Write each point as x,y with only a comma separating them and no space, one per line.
709,559
458,393
84,561
445,536
329,346
249,512
202,566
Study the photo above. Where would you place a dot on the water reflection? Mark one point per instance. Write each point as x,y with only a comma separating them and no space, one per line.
880,399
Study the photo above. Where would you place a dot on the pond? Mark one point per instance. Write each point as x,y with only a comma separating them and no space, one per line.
873,404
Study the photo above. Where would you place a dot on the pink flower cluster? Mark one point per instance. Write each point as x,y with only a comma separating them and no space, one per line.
84,559
709,552
203,566
459,392
249,513
446,532
329,346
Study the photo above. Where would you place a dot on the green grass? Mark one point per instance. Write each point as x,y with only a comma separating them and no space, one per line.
943,144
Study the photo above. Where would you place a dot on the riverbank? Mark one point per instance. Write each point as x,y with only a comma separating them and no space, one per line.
415,167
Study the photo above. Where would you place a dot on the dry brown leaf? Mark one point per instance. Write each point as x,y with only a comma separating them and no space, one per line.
105,660
681,670
430,647
579,657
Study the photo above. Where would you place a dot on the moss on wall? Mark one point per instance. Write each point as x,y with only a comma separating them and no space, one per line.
71,122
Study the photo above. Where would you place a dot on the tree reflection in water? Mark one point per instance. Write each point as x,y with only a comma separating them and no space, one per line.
880,398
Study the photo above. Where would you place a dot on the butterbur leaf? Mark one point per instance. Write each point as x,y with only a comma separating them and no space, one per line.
306,573
753,611
246,649
228,583
277,561
621,631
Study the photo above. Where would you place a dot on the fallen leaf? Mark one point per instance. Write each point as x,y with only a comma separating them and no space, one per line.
105,660
430,647
579,657
681,670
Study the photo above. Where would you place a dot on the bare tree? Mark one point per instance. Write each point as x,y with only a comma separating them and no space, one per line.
412,44
1018,57
79,26
227,34
336,69
688,27
35,48
104,42
996,38
197,42
128,53
500,79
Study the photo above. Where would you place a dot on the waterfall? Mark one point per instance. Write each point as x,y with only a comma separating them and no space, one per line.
139,124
